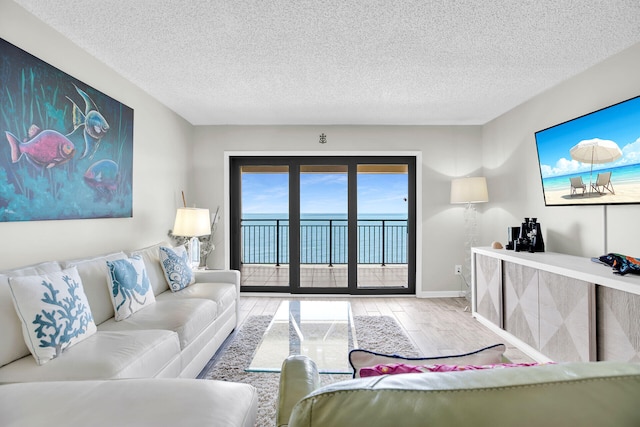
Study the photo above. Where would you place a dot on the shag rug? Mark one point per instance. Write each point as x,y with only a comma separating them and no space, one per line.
377,333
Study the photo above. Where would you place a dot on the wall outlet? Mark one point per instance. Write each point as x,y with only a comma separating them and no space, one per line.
458,269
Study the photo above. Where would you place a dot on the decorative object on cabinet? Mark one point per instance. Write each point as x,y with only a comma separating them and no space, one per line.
527,237
621,264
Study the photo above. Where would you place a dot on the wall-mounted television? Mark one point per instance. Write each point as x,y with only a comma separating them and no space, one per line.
593,159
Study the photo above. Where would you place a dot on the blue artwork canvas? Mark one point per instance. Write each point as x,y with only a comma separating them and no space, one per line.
66,149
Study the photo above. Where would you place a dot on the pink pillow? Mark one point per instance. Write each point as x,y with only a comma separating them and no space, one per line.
401,368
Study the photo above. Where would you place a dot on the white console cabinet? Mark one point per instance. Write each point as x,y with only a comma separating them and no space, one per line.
557,307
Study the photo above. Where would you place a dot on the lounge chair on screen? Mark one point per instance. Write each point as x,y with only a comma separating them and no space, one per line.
577,184
603,182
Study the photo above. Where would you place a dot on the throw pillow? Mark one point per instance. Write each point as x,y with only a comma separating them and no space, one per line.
130,286
359,358
403,368
53,310
175,264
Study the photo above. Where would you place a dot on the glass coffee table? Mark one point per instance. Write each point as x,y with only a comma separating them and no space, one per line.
321,330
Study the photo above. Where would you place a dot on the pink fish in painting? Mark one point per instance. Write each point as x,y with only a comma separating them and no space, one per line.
45,149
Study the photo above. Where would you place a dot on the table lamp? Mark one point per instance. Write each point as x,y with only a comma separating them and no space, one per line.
193,223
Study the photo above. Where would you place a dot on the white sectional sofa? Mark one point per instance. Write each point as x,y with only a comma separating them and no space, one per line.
128,403
173,338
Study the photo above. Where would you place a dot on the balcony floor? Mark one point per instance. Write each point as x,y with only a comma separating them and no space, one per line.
323,276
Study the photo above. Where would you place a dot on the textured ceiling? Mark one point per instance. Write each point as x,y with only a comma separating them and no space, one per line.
341,61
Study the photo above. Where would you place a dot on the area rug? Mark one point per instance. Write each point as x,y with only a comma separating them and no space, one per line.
376,333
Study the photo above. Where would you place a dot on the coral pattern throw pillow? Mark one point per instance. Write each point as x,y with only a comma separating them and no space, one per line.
54,312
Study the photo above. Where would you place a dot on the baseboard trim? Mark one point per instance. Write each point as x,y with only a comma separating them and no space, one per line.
440,294
434,294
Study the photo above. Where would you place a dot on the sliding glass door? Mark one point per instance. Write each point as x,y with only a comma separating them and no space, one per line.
383,225
264,225
324,233
324,224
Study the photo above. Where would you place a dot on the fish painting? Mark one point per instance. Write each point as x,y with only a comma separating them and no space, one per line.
103,177
44,149
95,125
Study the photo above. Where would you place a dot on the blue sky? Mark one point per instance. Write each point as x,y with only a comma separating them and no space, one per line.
325,193
619,123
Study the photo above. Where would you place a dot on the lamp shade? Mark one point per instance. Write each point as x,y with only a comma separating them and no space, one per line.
469,190
192,222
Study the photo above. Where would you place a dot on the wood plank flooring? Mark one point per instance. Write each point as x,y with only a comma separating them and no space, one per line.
436,326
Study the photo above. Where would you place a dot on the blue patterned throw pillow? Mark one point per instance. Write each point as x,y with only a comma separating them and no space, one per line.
175,264
54,312
130,286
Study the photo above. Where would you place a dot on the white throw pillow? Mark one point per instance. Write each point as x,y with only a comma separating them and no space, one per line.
175,264
151,257
130,287
95,280
54,312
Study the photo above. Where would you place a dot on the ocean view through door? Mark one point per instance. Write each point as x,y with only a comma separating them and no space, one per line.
324,231
323,224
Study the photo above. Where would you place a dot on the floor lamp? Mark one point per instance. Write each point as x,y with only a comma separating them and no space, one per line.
470,190
193,223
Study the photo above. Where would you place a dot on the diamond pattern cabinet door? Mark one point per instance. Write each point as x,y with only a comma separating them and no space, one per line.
567,327
521,303
618,325
489,288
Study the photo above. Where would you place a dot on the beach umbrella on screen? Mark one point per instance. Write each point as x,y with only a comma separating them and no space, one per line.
595,151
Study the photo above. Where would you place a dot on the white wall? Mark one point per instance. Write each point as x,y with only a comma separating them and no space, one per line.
161,158
447,152
511,164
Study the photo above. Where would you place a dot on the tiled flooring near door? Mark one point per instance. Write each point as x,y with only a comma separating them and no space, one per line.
436,326
323,276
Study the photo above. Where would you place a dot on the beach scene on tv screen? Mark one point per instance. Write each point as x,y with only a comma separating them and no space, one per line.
594,159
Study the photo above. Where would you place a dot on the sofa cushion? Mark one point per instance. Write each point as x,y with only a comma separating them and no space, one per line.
222,294
151,257
95,280
137,402
359,358
129,285
187,317
54,312
13,346
175,264
104,355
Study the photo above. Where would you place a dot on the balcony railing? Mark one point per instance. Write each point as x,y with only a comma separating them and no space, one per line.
324,241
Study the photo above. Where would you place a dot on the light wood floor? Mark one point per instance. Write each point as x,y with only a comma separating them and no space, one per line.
436,326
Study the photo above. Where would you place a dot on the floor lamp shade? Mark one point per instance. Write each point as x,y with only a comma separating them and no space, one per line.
469,190
192,222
